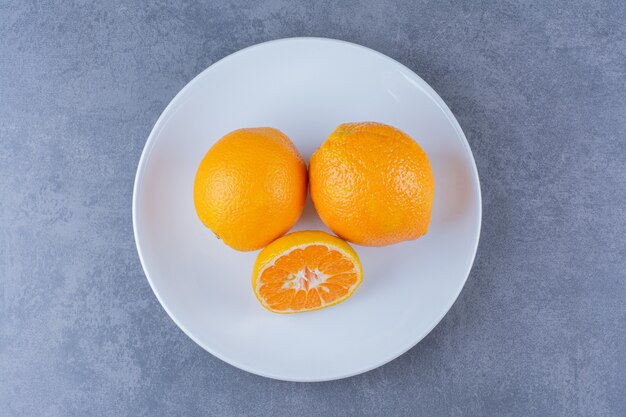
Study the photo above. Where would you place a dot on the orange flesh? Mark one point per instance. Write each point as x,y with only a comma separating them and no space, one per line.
307,278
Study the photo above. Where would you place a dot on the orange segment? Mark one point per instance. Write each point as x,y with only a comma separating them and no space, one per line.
314,254
305,271
313,299
342,279
331,292
291,263
273,274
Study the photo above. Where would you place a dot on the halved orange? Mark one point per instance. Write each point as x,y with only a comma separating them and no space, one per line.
305,271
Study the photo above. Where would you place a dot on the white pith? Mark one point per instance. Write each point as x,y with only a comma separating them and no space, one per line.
306,279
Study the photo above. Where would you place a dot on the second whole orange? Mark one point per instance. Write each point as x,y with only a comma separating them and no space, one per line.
372,184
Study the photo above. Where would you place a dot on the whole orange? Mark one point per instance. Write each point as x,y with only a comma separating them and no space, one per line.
250,187
372,184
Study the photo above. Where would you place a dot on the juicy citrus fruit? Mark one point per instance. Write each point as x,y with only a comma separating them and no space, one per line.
305,271
250,187
372,184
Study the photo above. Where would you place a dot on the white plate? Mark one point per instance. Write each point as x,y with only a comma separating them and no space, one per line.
304,87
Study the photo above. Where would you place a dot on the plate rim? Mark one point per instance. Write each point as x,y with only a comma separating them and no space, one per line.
149,145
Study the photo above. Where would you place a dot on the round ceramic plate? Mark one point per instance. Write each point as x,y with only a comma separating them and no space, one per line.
305,87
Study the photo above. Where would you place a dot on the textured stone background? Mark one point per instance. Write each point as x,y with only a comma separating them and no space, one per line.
540,90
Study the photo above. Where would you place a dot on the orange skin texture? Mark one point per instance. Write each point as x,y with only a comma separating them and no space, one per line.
250,188
372,184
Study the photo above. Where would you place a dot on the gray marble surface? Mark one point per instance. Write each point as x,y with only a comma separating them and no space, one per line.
540,90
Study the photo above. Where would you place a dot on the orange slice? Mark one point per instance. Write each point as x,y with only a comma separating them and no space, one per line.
305,271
